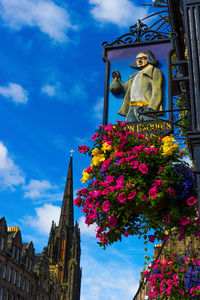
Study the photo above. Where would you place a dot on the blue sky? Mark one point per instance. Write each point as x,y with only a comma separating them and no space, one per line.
51,100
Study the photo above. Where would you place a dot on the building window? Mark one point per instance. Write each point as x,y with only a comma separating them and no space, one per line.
17,254
4,271
14,277
27,286
1,293
13,251
19,281
9,274
24,283
2,244
7,295
27,260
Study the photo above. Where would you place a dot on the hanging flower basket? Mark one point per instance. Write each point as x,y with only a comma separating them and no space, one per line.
135,184
176,277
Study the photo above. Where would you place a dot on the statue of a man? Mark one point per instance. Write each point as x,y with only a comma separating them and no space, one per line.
143,89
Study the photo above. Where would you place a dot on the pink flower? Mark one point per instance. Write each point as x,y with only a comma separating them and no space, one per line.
109,127
191,201
106,206
153,192
184,220
120,179
78,201
181,292
143,168
95,193
171,191
105,192
134,163
88,170
198,288
105,164
183,270
121,197
94,137
83,148
119,154
181,237
112,221
109,179
83,191
129,184
158,182
160,170
167,218
151,238
132,195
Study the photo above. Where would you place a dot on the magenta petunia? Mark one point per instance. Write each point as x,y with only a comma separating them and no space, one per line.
191,201
171,191
135,164
185,220
181,292
106,206
132,195
120,179
160,170
153,192
83,191
83,149
78,201
109,179
158,182
94,137
143,168
112,221
122,197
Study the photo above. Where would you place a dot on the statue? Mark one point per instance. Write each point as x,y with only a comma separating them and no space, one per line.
142,90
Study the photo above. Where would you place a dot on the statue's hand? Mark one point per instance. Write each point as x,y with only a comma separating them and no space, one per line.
116,74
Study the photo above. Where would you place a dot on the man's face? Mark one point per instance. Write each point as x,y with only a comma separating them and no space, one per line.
141,60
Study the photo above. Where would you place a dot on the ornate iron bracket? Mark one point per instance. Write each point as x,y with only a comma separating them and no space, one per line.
138,33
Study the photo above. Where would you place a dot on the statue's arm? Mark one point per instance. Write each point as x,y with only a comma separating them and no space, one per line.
157,93
117,86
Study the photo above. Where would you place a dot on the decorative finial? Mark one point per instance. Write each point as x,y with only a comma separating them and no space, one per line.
71,151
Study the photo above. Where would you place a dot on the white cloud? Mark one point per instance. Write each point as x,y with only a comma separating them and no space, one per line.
119,12
108,278
41,189
98,109
10,173
50,18
14,92
50,90
89,231
43,219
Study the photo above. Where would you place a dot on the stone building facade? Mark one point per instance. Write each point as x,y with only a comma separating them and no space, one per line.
54,274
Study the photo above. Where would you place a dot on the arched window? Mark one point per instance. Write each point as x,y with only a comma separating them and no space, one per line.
62,253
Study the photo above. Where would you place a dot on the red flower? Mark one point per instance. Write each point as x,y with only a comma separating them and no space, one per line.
83,148
191,201
151,238
143,168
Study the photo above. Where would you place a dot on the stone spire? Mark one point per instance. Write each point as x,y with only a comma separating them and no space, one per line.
67,211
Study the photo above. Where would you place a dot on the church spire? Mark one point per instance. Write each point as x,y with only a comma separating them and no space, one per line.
67,211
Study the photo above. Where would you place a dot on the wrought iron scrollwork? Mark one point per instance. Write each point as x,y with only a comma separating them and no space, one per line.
138,33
